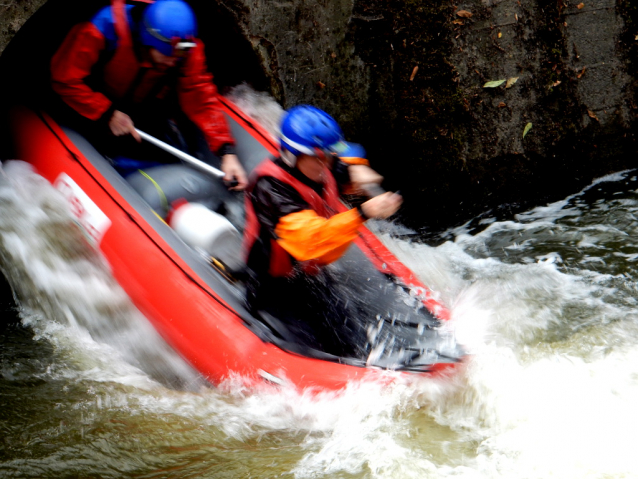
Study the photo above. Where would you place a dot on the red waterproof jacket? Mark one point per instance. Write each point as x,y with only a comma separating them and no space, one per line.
306,228
126,75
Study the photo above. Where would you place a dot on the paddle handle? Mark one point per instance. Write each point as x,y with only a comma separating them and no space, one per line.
191,160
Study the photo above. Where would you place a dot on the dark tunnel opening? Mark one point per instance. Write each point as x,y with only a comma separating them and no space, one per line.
24,64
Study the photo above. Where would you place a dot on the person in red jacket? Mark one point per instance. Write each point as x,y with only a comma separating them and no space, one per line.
294,230
141,66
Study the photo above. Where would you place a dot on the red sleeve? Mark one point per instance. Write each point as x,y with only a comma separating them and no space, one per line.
71,65
199,99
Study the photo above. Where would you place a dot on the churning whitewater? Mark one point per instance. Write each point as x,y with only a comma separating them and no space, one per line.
545,302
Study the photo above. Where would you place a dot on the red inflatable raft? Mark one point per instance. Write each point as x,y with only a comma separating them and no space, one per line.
202,314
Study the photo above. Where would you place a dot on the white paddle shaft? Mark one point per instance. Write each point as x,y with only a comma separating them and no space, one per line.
200,165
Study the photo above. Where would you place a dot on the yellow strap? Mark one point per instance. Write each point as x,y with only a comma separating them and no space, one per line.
163,198
219,266
155,213
217,263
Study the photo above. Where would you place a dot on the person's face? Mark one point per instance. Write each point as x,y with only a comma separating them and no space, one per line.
313,166
161,61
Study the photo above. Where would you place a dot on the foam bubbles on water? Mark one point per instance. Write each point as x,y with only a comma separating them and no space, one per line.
554,416
550,387
61,280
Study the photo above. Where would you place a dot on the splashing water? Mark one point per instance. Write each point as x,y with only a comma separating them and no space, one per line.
545,303
258,105
61,281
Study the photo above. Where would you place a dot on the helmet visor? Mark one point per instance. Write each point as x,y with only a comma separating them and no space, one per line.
181,47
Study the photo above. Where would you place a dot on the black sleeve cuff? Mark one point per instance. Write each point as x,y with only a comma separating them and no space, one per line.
226,149
106,116
361,213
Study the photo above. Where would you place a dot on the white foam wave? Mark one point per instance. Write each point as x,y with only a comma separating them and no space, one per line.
67,292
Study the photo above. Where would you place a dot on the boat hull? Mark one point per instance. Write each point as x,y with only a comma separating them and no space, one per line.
194,309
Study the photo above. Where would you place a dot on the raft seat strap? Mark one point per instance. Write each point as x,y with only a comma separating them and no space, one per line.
162,196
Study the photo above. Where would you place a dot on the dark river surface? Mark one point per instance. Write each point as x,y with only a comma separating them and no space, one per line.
545,301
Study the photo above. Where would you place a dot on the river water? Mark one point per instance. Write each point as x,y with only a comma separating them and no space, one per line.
545,302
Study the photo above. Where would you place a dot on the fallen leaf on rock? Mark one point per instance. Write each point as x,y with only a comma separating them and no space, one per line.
458,21
501,104
527,128
582,72
464,14
511,81
494,84
500,34
592,115
321,84
580,5
556,83
414,70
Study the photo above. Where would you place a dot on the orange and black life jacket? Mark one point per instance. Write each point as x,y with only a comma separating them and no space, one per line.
325,203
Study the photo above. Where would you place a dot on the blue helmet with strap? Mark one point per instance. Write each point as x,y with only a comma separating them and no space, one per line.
168,24
306,127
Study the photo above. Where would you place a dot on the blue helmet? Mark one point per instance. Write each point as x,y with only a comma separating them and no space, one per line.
306,127
167,20
352,150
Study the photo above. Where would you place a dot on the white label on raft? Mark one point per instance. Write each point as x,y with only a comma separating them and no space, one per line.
90,218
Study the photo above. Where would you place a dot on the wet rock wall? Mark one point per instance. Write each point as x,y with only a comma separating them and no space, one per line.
407,79
13,15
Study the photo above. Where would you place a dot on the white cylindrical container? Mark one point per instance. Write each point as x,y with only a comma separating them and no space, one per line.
211,232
